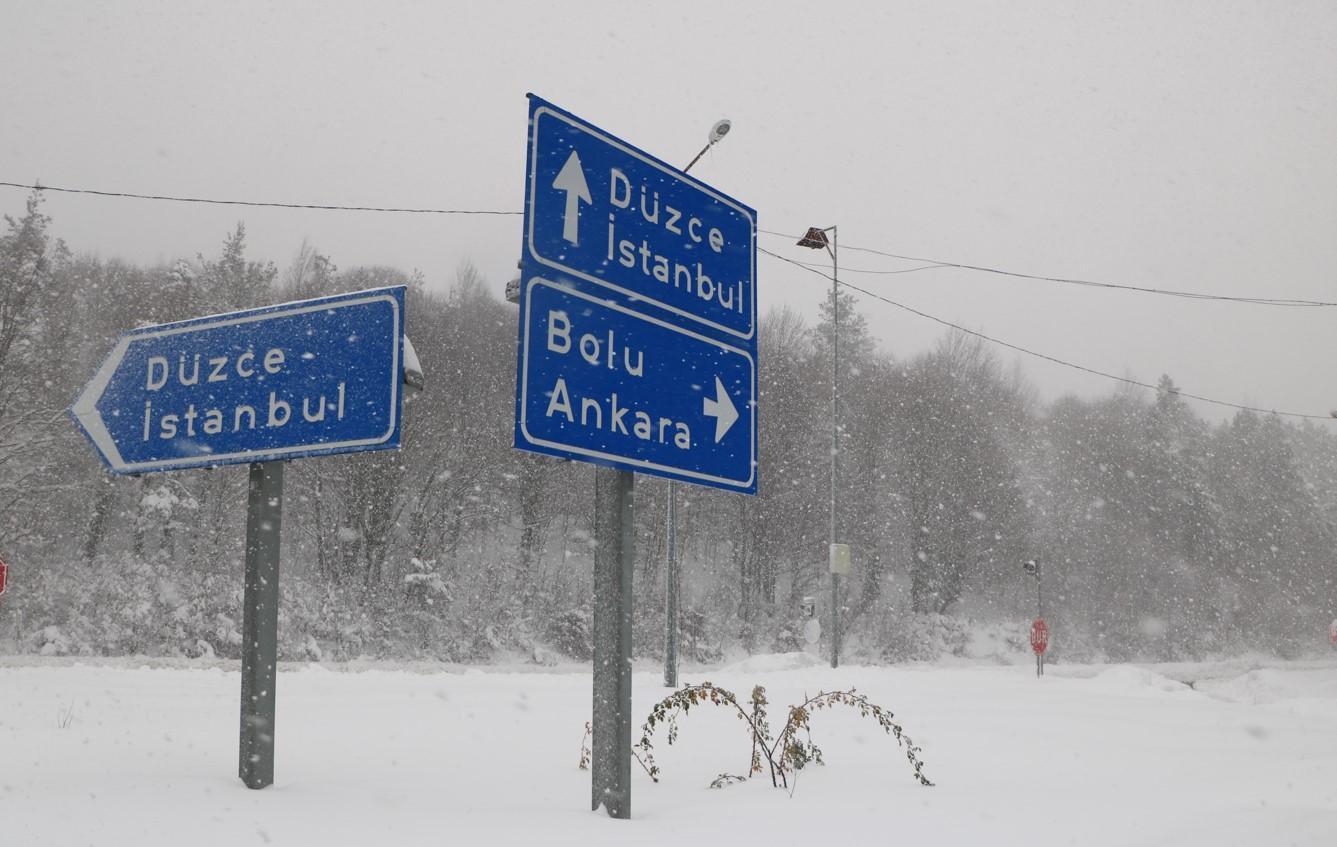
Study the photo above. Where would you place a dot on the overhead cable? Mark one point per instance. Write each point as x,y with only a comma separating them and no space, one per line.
1191,295
1037,354
931,265
210,201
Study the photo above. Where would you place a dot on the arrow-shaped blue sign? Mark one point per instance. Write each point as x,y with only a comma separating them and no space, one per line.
310,378
603,383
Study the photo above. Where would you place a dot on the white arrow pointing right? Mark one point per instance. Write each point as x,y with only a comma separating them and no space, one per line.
721,409
571,179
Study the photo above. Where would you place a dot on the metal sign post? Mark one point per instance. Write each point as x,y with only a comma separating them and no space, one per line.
258,387
614,561
637,353
671,591
260,624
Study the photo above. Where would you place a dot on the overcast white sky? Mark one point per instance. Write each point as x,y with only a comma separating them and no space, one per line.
1183,145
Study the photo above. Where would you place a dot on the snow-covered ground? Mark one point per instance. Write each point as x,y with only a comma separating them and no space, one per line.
120,753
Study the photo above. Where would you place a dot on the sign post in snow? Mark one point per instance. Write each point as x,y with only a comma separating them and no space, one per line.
256,387
4,576
637,353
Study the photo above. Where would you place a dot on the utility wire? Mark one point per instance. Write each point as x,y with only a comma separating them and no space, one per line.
1191,295
929,264
932,264
1037,354
844,269
39,187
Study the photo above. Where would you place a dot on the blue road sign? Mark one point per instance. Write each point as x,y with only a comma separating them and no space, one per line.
602,211
638,311
310,378
603,383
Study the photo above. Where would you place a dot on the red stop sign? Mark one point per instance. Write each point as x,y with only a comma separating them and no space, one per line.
1332,628
4,572
1039,636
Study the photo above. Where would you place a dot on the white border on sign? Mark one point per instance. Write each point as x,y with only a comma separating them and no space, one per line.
85,408
613,457
676,175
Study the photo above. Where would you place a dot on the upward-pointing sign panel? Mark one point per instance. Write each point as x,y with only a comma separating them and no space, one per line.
602,211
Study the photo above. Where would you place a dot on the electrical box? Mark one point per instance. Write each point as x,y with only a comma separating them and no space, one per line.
840,559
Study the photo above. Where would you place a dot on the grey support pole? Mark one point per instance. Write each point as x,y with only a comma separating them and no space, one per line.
1040,612
671,575
835,436
260,624
671,592
610,774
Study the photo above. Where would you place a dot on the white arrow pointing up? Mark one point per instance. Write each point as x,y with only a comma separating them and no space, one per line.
571,179
721,409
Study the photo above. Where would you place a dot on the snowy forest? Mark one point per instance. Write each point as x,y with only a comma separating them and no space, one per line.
1162,535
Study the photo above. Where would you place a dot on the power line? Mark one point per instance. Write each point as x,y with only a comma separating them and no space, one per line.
210,201
844,269
1191,295
931,264
1037,354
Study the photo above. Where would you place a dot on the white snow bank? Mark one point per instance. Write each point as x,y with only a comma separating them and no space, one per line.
1130,680
770,663
119,755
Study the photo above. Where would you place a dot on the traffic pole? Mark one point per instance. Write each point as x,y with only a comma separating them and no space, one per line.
671,574
260,624
614,557
1040,613
671,592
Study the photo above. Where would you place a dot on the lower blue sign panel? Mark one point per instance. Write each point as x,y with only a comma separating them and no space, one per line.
602,383
302,379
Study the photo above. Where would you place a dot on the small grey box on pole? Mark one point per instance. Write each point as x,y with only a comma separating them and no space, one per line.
839,563
260,624
614,557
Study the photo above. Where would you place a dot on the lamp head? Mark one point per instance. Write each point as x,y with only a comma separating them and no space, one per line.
814,238
720,129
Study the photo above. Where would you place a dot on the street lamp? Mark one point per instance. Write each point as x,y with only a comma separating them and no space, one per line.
671,575
717,133
816,239
1032,567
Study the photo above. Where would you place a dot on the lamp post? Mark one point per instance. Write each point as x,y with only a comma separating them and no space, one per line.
1032,567
816,239
671,575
